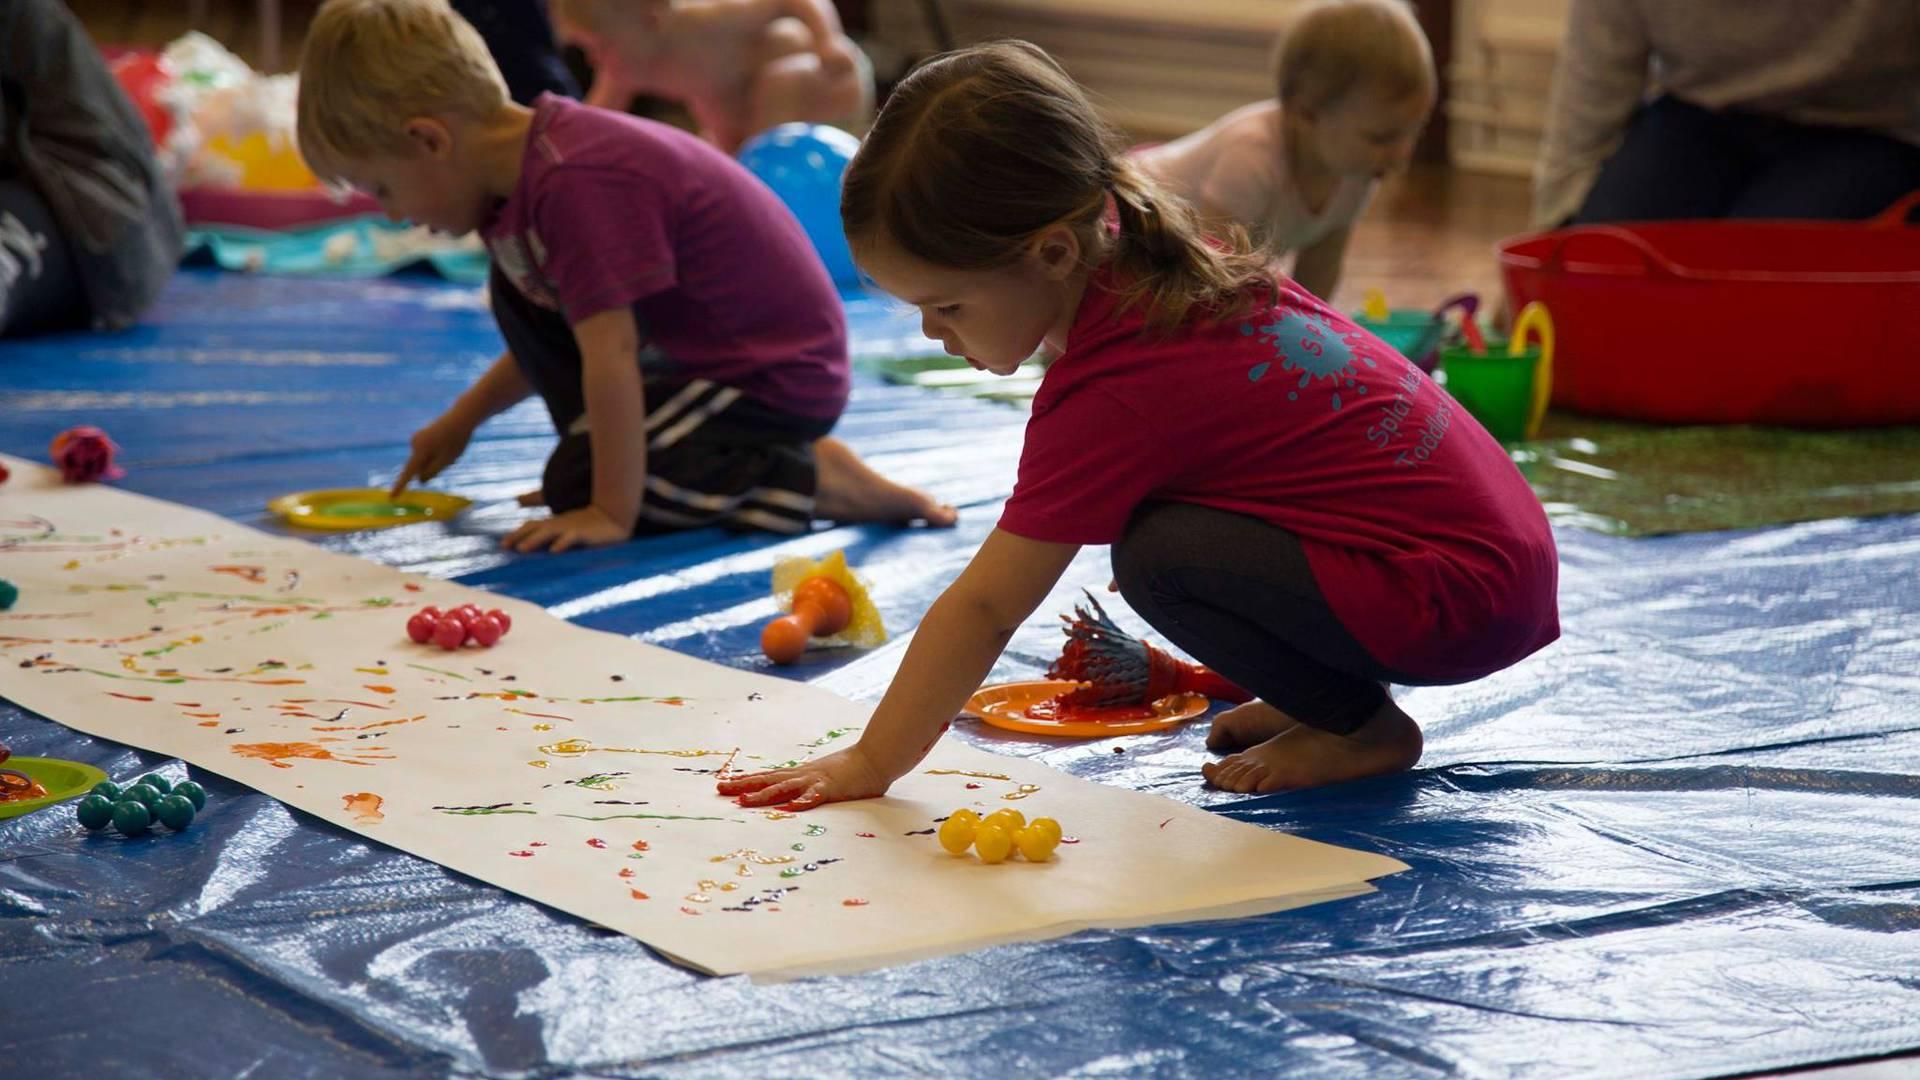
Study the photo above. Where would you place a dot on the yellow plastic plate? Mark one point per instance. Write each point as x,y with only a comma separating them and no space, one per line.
63,780
1005,706
343,509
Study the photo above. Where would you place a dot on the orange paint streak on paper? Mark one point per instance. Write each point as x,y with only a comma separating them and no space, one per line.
365,807
379,689
276,753
638,895
202,715
541,715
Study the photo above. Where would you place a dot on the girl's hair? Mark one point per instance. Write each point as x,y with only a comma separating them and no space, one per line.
979,151
1336,45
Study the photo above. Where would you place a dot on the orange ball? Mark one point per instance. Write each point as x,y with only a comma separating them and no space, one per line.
784,639
832,607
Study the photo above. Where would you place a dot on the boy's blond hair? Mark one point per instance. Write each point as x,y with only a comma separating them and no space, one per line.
371,65
1336,45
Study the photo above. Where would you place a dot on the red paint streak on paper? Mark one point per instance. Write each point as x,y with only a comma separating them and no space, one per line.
638,895
128,697
364,704
255,574
972,786
1164,823
626,872
188,704
411,587
521,854
689,911
867,835
538,843
853,901
641,845
595,842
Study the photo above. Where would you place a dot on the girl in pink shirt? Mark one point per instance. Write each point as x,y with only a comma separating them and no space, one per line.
1288,499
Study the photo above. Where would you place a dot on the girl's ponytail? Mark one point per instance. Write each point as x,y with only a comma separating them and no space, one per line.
1166,261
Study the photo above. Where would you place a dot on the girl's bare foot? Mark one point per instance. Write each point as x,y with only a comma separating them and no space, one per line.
1304,756
1246,725
849,490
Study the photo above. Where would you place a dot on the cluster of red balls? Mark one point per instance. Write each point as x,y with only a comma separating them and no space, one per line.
452,629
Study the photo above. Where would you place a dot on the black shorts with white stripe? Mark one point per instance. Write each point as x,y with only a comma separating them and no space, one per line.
714,457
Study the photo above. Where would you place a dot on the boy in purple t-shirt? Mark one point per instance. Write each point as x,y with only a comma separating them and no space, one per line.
669,310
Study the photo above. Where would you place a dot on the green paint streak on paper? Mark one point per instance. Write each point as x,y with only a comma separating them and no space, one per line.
158,599
437,671
600,700
830,736
816,830
377,601
131,678
477,811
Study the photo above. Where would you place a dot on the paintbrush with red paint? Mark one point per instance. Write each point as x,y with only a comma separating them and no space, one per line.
1120,669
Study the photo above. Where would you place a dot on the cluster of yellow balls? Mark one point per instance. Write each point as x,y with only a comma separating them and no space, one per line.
999,834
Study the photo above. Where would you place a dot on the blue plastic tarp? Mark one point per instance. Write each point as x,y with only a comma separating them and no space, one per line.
1679,842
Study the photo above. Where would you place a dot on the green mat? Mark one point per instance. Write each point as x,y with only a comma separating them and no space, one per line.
1632,479
1644,479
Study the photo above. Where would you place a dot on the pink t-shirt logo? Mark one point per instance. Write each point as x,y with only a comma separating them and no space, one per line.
1304,341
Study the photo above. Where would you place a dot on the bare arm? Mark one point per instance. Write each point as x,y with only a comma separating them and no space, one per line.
1317,267
616,421
616,411
824,24
953,650
440,443
1598,82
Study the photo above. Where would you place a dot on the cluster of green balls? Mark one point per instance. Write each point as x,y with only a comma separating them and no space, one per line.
149,801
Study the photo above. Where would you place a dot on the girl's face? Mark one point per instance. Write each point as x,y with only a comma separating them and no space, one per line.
995,318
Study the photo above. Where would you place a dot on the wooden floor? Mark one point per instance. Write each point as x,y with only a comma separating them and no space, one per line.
1430,234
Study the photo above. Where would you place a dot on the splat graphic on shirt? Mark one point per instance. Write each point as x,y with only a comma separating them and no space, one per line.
1311,352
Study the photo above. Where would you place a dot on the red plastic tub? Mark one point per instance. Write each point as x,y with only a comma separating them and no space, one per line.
1812,324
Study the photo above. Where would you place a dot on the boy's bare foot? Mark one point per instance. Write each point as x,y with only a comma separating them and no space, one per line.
850,491
1246,725
1304,756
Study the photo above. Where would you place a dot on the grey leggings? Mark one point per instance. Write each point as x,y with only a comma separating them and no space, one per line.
1237,594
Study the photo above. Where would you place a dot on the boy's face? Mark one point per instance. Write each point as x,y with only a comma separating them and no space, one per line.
995,319
424,189
1368,132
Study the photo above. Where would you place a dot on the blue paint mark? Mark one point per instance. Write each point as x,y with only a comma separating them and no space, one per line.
1305,341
